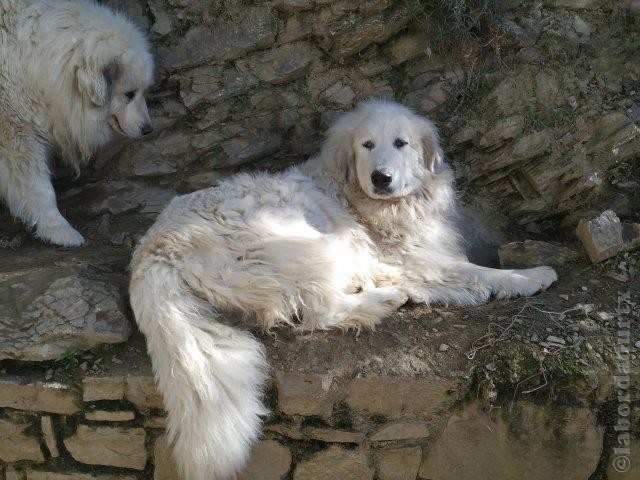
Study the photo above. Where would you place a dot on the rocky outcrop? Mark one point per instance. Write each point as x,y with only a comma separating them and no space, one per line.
536,132
47,311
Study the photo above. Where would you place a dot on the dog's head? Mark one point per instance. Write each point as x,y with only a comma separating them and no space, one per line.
384,148
117,85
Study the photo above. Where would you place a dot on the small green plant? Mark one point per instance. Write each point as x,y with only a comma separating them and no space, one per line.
482,87
452,22
67,360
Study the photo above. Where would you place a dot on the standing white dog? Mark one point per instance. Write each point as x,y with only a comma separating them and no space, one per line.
71,74
340,241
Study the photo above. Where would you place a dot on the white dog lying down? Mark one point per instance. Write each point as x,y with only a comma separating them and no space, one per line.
71,74
341,241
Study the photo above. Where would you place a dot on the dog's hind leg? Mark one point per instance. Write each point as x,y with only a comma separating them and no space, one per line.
25,184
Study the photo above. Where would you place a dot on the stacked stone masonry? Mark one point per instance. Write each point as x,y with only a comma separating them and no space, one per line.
387,436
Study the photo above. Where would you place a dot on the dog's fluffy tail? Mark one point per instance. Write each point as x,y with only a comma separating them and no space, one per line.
209,374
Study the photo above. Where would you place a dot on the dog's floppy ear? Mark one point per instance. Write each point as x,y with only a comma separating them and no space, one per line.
431,151
95,82
337,152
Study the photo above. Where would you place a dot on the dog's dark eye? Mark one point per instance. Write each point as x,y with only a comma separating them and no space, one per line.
130,94
368,145
399,143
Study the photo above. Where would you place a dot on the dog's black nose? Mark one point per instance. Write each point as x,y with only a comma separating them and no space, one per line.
147,129
380,179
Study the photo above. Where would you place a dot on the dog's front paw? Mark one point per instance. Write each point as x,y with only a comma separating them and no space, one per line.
539,279
63,235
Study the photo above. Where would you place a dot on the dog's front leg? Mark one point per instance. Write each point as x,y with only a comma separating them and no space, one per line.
25,184
462,283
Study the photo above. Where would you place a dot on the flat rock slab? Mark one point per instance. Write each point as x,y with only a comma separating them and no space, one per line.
42,475
33,395
334,463
48,310
601,236
117,447
534,253
523,444
16,445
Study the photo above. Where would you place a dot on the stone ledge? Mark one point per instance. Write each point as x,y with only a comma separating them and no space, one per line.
24,394
139,390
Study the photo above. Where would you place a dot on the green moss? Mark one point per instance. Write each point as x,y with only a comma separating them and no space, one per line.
562,365
516,368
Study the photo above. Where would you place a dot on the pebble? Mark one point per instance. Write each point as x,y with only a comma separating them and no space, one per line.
563,296
586,308
535,338
556,340
618,276
48,374
603,316
637,344
584,289
443,347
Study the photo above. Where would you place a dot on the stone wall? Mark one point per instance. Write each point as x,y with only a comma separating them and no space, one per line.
110,428
537,116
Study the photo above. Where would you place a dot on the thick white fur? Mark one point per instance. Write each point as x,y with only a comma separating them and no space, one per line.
314,246
65,67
